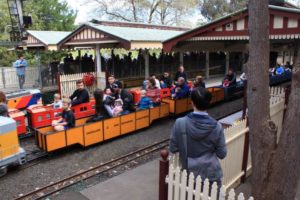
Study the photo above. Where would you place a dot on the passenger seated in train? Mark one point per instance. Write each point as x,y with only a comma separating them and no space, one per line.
113,83
279,70
230,79
180,73
199,82
118,108
101,112
81,95
153,93
271,71
68,118
145,84
288,66
181,89
145,101
57,101
3,106
167,81
127,98
157,83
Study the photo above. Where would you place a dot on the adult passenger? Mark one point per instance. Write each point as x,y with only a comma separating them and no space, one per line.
180,73
113,83
199,82
21,65
200,140
157,83
101,112
230,79
181,89
81,95
3,105
127,98
167,80
153,92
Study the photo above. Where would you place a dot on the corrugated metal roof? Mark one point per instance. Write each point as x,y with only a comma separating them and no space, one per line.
136,34
49,37
293,10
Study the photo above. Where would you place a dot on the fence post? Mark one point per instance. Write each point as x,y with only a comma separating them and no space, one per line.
3,77
245,155
163,172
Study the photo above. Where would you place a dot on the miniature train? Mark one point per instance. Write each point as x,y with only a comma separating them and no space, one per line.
86,134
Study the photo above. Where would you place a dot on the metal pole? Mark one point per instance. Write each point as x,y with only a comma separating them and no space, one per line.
40,69
207,65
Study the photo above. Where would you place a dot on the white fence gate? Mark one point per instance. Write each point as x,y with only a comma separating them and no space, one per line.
182,187
68,84
9,78
231,165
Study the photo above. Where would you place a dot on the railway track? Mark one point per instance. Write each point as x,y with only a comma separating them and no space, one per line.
52,188
55,187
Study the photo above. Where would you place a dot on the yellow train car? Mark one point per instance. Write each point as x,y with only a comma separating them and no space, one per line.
92,133
10,150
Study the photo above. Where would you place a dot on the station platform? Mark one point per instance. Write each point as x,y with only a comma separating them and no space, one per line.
139,183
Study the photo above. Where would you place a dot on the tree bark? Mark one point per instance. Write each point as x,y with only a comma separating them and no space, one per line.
285,167
262,130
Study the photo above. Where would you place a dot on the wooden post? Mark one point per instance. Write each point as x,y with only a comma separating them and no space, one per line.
181,58
207,65
146,57
227,62
163,172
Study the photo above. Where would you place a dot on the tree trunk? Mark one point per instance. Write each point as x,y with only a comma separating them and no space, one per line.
262,131
285,167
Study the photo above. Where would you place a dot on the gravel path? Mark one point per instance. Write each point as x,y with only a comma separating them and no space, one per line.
74,159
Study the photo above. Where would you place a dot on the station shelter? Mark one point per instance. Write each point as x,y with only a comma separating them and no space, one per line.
45,40
229,36
113,36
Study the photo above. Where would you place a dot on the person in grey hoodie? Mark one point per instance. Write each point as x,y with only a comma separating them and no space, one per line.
199,139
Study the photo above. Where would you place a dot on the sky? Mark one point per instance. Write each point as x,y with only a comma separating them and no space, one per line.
85,8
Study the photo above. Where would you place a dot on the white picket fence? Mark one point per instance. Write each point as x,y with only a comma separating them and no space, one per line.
182,187
9,78
231,165
68,84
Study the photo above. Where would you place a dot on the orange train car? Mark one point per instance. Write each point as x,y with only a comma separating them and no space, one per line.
88,134
41,116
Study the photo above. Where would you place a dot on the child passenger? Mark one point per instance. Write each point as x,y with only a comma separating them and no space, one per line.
67,120
145,102
57,101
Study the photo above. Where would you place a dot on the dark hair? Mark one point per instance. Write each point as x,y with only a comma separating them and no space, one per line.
152,75
79,82
201,98
152,81
111,75
98,95
107,89
2,97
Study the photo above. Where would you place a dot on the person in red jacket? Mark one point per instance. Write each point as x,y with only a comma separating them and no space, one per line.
153,92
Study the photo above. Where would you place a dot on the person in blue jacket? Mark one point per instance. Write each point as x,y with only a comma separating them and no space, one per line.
145,102
21,65
181,89
200,140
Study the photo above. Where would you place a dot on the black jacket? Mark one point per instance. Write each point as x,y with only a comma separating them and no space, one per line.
179,74
127,98
82,96
167,81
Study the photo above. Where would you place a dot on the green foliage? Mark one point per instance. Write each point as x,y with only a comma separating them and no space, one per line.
50,15
213,9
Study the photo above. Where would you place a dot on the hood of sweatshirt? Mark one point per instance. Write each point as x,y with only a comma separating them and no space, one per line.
200,126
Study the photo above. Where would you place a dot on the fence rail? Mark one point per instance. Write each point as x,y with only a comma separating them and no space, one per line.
184,187
231,165
9,78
